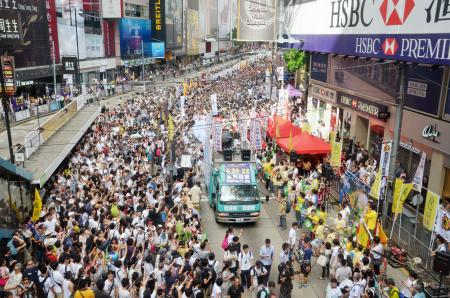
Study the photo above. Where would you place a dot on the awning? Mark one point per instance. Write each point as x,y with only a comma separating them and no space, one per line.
293,91
304,144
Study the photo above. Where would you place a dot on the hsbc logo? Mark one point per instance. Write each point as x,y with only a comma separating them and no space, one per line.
390,46
396,12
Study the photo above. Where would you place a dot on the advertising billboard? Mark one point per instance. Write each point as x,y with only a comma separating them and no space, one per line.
157,49
256,20
319,67
193,29
70,18
69,65
52,30
224,19
157,15
135,34
174,23
24,32
112,9
405,30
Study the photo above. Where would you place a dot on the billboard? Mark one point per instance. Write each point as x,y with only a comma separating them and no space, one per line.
69,65
158,49
24,32
135,34
112,9
319,67
174,23
7,65
224,19
256,20
70,19
52,30
406,30
157,15
193,29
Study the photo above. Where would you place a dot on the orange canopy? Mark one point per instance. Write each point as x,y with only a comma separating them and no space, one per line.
285,128
304,143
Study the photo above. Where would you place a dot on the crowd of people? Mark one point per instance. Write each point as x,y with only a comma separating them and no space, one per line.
119,221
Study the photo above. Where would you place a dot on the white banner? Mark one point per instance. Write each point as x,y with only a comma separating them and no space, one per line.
217,133
385,158
182,98
443,224
280,73
418,177
111,9
283,98
214,104
257,136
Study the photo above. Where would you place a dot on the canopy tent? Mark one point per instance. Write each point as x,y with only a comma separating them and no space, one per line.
285,128
293,91
304,144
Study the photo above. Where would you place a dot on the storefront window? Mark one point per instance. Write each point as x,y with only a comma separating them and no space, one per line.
376,139
446,190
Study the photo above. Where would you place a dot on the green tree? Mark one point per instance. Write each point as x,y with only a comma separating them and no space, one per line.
294,59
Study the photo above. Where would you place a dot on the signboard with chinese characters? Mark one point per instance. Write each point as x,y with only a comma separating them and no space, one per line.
69,65
323,93
406,30
112,9
319,67
365,106
7,64
237,173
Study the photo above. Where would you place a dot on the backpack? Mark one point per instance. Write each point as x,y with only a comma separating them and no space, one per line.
260,293
114,210
41,292
225,242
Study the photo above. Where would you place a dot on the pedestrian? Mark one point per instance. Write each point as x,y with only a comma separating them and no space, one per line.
282,205
236,289
245,262
266,254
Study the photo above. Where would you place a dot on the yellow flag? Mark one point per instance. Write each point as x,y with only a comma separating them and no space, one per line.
362,237
375,190
171,128
430,211
380,233
336,150
407,187
37,205
401,192
185,89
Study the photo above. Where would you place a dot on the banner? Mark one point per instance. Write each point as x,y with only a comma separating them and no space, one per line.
111,9
375,190
217,136
256,20
401,192
362,236
157,15
355,189
182,100
443,224
430,210
214,104
418,177
171,128
385,158
336,151
257,136
37,206
283,98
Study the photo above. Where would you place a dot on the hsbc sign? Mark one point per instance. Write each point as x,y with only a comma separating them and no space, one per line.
407,30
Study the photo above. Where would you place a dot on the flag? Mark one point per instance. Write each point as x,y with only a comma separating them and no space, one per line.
430,211
418,177
375,190
185,89
171,128
336,151
380,233
362,236
401,192
37,205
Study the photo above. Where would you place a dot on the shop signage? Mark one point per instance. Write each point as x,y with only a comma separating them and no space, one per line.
319,67
157,15
406,30
69,65
112,9
7,65
430,132
323,93
364,106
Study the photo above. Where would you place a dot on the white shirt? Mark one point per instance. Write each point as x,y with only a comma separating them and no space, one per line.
284,257
333,292
110,291
50,225
245,260
292,236
377,251
216,291
356,290
267,253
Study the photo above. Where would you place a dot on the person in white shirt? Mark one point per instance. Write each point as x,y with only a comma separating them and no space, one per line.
111,286
57,279
293,235
266,255
245,259
124,289
217,290
50,223
284,254
357,289
333,291
409,284
258,275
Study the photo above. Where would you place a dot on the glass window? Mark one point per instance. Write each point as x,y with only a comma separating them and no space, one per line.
238,193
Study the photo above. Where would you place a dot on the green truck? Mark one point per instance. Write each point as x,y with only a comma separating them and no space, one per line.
233,192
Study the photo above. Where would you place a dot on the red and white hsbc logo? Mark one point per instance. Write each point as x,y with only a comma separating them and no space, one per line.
396,12
390,46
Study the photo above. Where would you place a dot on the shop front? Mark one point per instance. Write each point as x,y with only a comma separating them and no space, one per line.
322,113
364,121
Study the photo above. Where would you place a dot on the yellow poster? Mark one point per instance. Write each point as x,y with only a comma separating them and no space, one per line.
362,237
171,128
430,211
375,190
401,192
336,150
37,205
407,187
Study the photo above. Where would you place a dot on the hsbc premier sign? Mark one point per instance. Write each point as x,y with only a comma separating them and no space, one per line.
407,30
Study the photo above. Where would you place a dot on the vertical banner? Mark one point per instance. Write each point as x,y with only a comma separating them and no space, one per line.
7,65
385,158
375,189
401,192
443,224
256,20
37,206
257,135
418,177
52,29
217,136
182,99
158,17
336,151
283,98
214,109
280,73
430,211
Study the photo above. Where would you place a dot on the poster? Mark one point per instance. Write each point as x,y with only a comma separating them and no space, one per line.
443,224
193,32
418,176
257,136
385,158
237,173
217,136
214,108
430,210
174,23
224,19
355,189
336,150
135,36
256,20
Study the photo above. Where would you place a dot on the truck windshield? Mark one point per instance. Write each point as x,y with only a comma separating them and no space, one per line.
239,193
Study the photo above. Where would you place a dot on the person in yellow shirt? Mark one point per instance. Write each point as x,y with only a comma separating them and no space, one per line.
314,218
371,218
298,209
340,224
84,290
323,213
267,167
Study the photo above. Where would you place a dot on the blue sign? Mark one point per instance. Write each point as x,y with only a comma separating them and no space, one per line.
319,67
135,34
238,173
158,49
423,89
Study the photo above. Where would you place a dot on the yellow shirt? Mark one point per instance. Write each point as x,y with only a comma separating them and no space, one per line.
340,225
314,220
84,294
282,207
268,169
319,232
323,216
371,219
300,201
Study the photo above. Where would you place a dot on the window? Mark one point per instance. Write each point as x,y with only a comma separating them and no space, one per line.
133,10
446,190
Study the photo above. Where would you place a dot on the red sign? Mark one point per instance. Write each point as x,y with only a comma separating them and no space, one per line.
7,64
109,39
52,29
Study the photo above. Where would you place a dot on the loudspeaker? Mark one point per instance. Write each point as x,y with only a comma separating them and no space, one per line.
293,156
245,154
441,263
227,155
